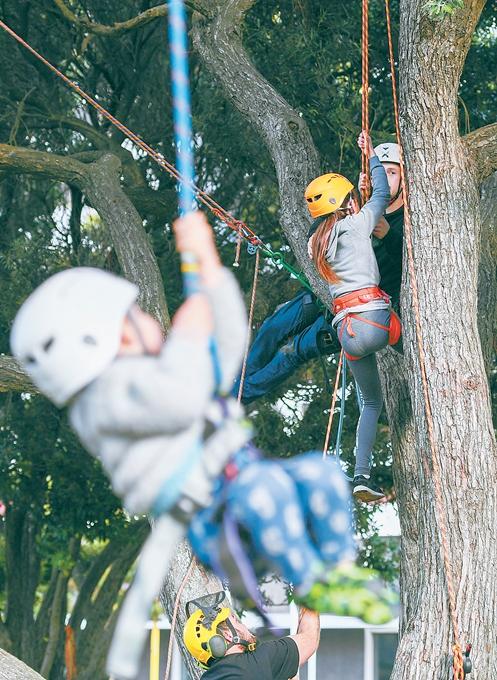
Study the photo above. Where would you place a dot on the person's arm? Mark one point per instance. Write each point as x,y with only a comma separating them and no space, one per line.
307,636
372,211
194,234
230,326
150,396
370,214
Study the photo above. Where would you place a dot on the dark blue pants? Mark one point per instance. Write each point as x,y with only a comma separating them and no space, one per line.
286,340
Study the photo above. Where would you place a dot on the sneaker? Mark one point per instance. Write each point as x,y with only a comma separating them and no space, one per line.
364,490
349,590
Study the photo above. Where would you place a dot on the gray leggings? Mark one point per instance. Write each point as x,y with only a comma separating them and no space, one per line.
365,341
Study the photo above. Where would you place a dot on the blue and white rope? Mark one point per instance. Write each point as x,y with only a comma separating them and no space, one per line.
183,133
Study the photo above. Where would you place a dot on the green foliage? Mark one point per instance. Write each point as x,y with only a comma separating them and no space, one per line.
438,9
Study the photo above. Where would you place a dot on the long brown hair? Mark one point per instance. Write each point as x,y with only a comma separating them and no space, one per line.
321,240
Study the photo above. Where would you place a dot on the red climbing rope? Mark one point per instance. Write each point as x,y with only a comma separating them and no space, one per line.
458,671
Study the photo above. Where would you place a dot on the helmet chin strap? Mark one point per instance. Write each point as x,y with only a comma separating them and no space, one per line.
237,640
399,191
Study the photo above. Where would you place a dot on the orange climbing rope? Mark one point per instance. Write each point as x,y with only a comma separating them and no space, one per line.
365,94
70,654
458,671
250,321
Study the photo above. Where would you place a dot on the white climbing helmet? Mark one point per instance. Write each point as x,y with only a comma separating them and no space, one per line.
69,329
388,153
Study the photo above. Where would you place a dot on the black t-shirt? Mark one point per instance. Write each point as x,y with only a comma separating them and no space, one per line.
275,660
388,251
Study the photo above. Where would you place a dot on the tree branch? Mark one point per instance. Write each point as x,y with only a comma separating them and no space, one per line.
119,26
13,378
13,669
283,130
482,144
100,181
57,612
61,168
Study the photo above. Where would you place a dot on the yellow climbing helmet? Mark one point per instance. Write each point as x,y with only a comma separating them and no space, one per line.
200,632
326,193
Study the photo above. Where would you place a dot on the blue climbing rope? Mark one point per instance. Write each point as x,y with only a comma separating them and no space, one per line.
183,133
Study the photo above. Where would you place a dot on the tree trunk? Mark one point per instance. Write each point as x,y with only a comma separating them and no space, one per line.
199,583
22,571
13,669
446,224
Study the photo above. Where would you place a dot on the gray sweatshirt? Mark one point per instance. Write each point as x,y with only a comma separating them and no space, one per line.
350,250
145,415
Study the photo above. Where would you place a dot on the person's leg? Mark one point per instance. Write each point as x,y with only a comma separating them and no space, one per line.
365,372
264,500
324,497
268,378
287,321
361,340
318,338
300,349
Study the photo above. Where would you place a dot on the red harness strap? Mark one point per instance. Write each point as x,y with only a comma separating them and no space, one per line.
359,297
394,329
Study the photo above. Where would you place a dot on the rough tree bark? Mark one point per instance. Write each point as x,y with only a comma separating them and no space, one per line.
13,669
444,176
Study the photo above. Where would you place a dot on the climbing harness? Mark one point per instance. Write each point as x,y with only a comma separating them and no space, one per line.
360,297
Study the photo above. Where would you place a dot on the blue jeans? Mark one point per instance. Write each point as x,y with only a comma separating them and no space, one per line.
295,511
360,339
286,340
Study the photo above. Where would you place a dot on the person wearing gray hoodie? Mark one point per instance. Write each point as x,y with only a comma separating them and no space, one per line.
173,447
342,251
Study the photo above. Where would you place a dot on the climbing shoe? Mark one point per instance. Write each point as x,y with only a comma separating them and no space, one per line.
364,490
349,590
